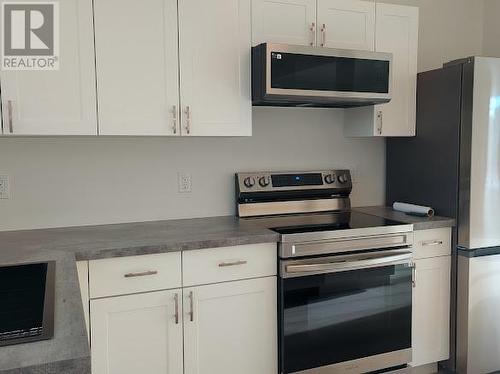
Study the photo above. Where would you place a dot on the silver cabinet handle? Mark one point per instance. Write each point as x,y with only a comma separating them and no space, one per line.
431,243
414,275
191,306
174,119
380,122
235,263
323,33
9,114
176,306
142,274
312,29
188,120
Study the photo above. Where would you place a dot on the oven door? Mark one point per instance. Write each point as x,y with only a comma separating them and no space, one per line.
349,313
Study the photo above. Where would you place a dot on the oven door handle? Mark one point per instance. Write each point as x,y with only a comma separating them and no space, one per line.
355,264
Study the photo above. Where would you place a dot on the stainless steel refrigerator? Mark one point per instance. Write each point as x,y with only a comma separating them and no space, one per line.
453,165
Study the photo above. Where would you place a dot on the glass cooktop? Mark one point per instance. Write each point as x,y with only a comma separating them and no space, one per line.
303,223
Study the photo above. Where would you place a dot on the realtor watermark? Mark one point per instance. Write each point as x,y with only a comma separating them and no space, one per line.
30,35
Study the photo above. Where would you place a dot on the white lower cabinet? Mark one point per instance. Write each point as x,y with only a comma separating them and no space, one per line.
431,306
225,322
231,328
137,334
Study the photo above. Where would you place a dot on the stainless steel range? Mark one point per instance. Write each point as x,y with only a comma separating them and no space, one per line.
345,278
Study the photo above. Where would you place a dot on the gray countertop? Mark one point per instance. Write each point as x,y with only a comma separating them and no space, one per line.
129,239
68,351
419,223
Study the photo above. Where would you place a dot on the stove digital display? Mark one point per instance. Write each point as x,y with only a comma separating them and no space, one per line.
291,180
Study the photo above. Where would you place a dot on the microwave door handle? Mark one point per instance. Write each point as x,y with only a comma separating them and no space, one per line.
339,266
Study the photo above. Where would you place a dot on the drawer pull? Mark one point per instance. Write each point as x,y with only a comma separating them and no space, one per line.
143,274
431,243
235,263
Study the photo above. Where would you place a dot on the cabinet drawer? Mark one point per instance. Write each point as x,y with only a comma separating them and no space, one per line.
126,275
432,243
228,263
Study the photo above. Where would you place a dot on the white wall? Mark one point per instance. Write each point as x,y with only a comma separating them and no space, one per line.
75,181
80,181
449,29
491,36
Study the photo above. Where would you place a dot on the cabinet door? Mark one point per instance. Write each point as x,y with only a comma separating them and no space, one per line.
137,334
397,33
137,67
59,102
232,329
431,310
284,21
215,41
346,24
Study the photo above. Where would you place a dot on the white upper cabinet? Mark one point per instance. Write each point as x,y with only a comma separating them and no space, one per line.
287,22
396,33
215,43
346,24
59,102
137,67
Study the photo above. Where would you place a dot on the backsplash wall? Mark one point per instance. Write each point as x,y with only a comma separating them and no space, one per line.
85,181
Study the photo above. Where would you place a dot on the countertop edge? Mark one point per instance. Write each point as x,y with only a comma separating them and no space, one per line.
79,365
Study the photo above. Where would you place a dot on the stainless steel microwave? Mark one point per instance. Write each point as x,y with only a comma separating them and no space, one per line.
290,75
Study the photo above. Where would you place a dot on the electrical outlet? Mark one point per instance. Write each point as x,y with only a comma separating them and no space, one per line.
184,182
4,187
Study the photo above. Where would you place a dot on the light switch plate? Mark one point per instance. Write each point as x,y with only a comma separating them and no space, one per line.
4,187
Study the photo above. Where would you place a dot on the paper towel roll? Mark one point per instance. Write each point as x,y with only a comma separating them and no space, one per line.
417,210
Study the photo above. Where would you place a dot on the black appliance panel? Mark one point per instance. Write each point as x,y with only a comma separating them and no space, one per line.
302,223
292,180
328,73
332,318
27,302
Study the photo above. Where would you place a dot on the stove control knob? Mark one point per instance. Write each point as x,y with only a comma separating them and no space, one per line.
264,181
343,178
249,182
329,178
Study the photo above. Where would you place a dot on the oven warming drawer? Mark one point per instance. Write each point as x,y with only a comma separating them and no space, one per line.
345,244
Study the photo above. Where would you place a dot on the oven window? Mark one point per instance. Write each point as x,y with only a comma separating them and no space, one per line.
326,73
337,317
